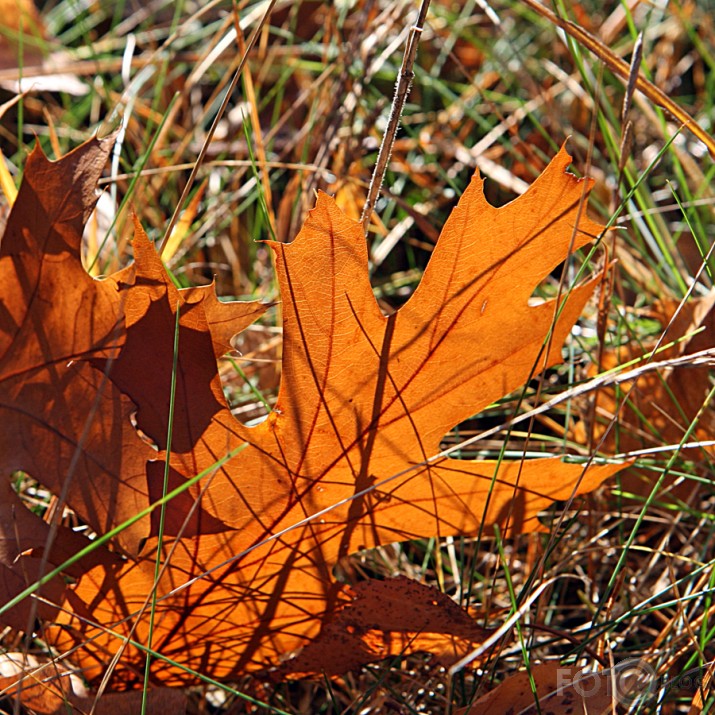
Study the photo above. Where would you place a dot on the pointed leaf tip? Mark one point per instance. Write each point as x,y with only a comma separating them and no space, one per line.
55,199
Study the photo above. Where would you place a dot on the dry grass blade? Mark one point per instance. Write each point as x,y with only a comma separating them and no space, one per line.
623,70
212,130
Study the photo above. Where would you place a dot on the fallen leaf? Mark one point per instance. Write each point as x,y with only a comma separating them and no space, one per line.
658,408
52,317
564,690
42,695
388,617
63,421
515,694
344,462
24,540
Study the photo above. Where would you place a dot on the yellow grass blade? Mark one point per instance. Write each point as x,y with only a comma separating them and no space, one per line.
6,181
183,225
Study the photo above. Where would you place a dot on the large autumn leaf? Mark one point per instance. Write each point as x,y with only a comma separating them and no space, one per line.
343,462
63,422
52,313
346,459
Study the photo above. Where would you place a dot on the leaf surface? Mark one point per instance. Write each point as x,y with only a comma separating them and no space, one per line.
59,414
560,690
346,461
64,422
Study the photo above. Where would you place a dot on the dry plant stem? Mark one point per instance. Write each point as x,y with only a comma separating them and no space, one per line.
226,163
634,72
507,625
626,123
623,70
261,155
402,89
209,136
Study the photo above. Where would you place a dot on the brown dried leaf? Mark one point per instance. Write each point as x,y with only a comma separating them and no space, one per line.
561,690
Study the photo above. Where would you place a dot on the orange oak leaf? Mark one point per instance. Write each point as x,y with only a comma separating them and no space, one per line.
58,414
348,458
63,422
